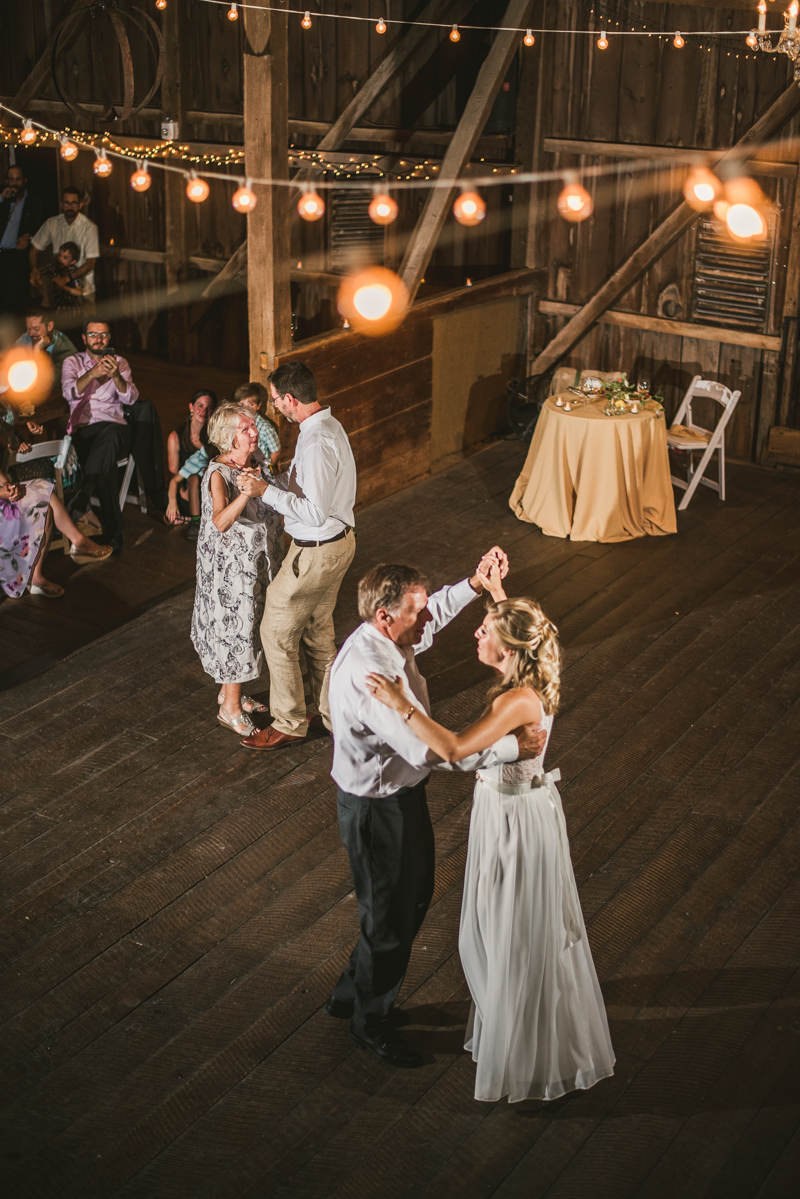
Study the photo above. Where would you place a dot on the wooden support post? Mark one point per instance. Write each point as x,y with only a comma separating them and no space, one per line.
660,239
178,241
266,141
426,234
791,309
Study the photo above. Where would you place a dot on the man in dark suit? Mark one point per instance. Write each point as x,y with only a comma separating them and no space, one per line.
20,217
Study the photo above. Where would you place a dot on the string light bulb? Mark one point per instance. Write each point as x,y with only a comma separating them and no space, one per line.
102,165
306,21
678,41
381,26
233,13
752,40
528,39
27,134
574,203
602,41
382,209
702,188
373,301
68,150
196,188
744,203
141,178
469,208
244,199
162,4
27,376
310,206
455,36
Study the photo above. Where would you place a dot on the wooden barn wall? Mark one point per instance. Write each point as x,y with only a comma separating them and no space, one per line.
644,91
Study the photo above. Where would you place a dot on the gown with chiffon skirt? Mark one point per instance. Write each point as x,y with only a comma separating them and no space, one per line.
537,1026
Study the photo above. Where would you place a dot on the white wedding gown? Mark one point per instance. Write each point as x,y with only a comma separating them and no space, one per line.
537,1026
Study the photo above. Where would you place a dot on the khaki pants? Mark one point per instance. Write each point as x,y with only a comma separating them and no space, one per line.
299,611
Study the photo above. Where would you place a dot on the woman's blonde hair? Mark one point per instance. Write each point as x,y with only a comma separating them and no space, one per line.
223,423
521,626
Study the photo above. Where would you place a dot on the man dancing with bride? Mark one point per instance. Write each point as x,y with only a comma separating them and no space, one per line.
537,1026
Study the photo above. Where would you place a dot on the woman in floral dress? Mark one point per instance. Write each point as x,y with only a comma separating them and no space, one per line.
239,550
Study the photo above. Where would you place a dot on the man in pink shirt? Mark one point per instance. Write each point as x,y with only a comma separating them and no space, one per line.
97,385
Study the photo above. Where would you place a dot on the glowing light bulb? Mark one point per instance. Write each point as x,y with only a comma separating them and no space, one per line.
244,199
141,178
574,203
311,206
233,13
469,209
529,39
455,36
742,209
306,21
68,150
701,188
383,209
28,134
161,4
752,40
602,41
373,301
197,189
678,41
22,375
381,26
745,222
102,166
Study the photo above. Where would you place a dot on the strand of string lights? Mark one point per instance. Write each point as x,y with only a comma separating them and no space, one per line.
308,18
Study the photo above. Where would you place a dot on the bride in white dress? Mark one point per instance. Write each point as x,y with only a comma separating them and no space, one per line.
537,1025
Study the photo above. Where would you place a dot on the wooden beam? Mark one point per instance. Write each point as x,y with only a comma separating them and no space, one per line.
266,136
408,44
660,239
423,240
566,145
655,324
175,88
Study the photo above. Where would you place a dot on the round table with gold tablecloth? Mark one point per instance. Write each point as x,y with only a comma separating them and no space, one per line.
594,477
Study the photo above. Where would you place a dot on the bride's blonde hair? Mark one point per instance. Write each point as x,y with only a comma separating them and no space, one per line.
520,625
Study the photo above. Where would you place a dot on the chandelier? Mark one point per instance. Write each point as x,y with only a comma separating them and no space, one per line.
789,40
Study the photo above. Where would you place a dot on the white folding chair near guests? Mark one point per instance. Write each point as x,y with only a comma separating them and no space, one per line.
124,498
685,435
59,451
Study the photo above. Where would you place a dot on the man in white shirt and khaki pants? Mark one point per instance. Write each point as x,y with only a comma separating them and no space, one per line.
316,498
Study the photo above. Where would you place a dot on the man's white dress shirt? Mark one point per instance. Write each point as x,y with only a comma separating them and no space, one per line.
316,496
375,753
57,229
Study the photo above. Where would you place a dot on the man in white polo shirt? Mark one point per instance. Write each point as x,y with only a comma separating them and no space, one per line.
70,225
316,499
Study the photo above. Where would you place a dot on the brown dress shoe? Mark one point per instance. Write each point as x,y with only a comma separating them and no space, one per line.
269,739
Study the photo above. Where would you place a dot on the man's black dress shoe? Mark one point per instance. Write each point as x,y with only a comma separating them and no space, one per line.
390,1048
344,1011
316,725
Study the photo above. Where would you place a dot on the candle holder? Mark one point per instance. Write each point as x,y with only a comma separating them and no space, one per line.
789,41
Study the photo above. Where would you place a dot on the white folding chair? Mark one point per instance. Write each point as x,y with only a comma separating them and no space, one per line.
124,498
59,451
687,437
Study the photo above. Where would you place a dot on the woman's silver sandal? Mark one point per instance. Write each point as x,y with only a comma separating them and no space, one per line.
242,725
255,704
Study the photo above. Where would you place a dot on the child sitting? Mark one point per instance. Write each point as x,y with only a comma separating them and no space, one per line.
67,290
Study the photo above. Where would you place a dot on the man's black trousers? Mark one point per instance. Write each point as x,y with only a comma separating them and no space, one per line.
390,845
99,447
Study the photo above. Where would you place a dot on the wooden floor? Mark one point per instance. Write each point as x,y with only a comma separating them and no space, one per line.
175,909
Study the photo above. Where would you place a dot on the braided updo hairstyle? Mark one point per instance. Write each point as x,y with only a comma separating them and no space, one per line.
521,625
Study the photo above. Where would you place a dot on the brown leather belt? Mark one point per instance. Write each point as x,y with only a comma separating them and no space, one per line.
305,545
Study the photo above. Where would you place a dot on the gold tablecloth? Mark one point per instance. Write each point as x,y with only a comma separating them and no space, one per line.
594,477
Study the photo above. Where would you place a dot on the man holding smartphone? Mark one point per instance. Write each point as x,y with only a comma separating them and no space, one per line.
97,385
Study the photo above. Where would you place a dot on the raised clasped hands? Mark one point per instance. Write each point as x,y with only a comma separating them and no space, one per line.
489,573
250,482
389,692
531,740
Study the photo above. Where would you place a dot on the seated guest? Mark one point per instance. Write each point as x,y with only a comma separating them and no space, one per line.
254,397
188,445
238,554
27,514
68,286
43,335
98,387
20,217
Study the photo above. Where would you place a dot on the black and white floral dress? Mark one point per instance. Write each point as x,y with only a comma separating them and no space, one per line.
234,570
